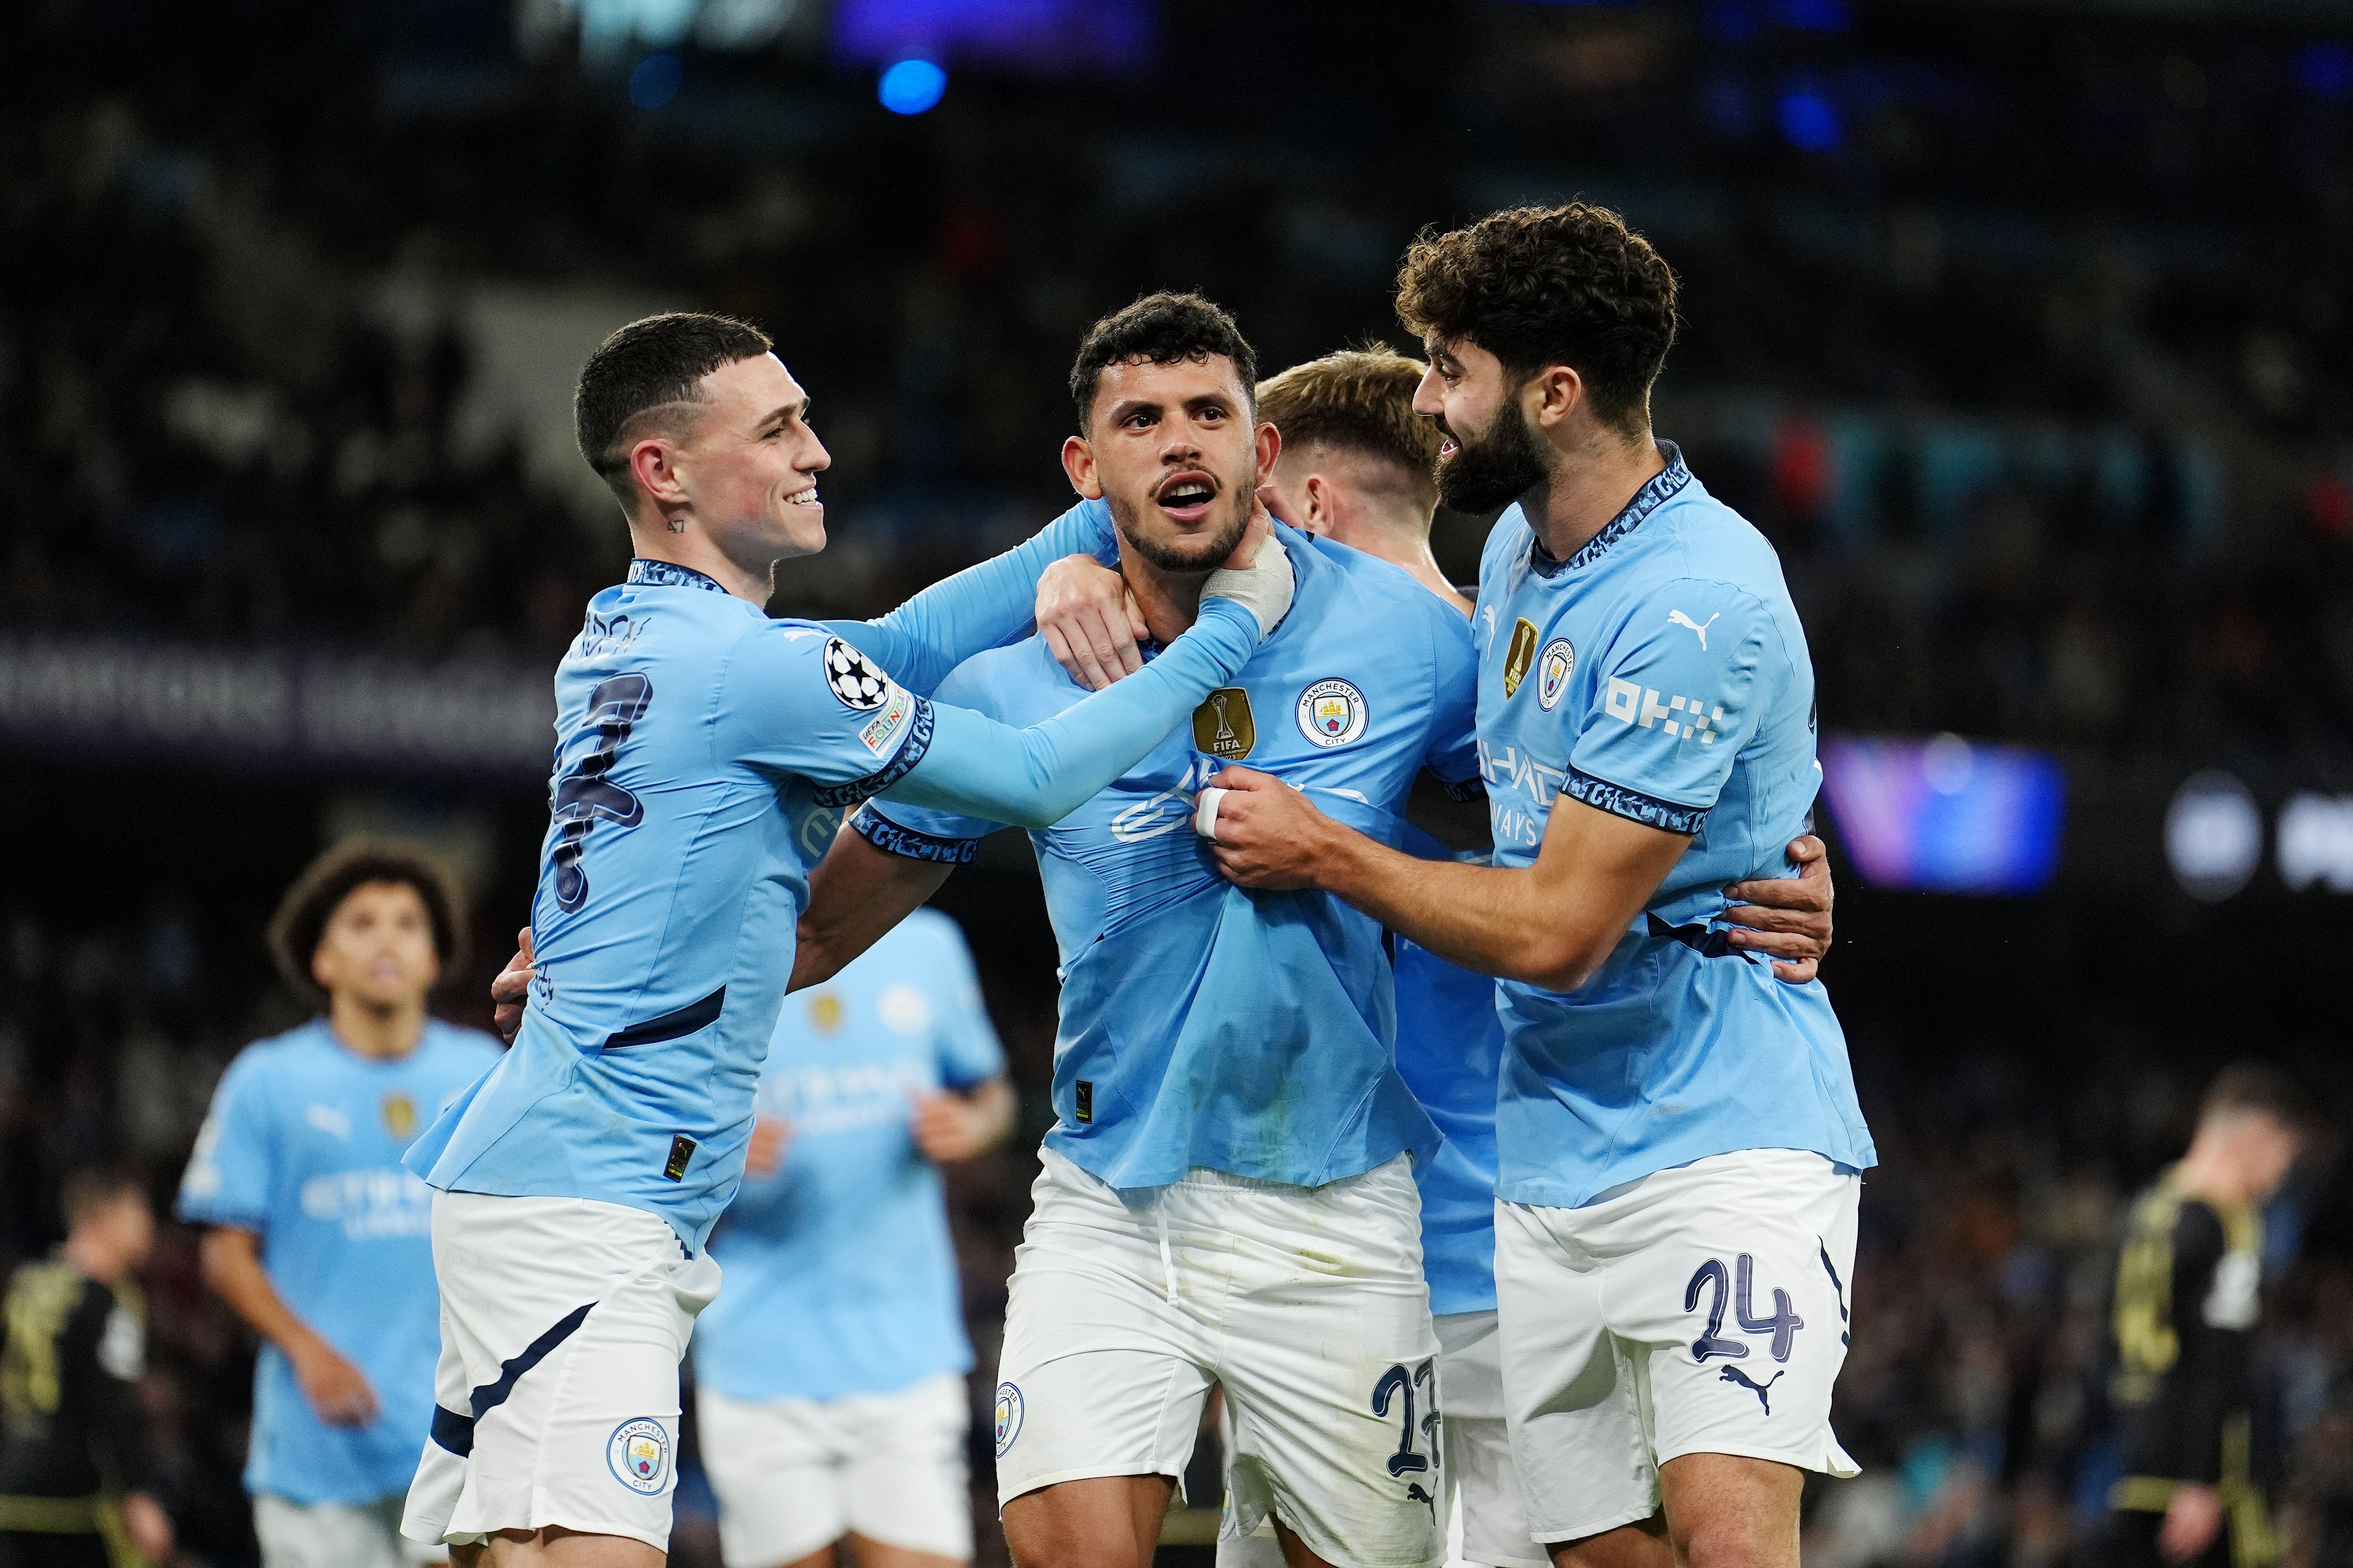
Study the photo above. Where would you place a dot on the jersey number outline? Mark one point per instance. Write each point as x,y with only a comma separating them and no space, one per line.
1398,1382
1783,1324
585,795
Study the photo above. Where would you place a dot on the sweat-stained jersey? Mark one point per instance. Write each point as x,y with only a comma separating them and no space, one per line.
302,1147
1203,1025
840,1276
1661,674
705,755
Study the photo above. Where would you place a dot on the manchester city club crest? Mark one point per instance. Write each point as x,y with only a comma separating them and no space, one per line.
1332,712
1552,670
639,1453
1223,726
1517,656
1008,1417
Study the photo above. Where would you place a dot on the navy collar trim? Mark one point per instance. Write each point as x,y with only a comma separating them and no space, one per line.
670,574
1647,499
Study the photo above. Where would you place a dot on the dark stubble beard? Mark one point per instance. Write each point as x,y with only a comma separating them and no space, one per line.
1190,555
1496,470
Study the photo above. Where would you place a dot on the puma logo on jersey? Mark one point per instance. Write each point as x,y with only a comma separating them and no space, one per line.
1733,1374
1677,618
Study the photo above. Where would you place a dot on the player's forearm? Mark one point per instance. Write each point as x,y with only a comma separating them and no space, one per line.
979,608
1485,918
993,1106
232,1265
1036,776
855,893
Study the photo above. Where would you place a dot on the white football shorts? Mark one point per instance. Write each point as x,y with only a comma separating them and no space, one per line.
1697,1311
1307,1304
563,1322
797,1474
1487,1520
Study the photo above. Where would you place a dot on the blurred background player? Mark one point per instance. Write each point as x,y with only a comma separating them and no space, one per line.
316,1237
2182,1328
73,1457
829,1387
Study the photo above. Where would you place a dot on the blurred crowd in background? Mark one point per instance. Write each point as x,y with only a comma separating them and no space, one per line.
2022,332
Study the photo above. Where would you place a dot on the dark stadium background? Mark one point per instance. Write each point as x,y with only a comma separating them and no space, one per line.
2023,328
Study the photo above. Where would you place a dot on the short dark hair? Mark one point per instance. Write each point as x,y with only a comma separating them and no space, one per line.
1359,400
300,923
646,366
2259,1087
1161,329
89,1188
1537,285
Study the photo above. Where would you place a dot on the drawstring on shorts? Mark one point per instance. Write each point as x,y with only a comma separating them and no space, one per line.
1167,1257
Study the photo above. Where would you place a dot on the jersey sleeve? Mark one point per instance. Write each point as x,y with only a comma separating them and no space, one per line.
230,1173
981,608
1452,753
969,1050
798,700
919,833
1679,691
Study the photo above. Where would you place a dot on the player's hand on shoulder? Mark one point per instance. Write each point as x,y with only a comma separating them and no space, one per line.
1090,621
1258,576
510,989
764,1155
1267,835
1787,919
339,1390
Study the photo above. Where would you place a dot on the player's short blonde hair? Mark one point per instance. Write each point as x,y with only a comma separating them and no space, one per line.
1359,400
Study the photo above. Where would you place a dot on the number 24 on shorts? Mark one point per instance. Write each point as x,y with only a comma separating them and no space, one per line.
1719,1285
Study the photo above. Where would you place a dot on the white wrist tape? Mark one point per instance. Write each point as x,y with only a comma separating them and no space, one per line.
1264,589
1205,813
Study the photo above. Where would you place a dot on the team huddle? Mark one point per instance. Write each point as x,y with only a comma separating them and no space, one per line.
1516,1187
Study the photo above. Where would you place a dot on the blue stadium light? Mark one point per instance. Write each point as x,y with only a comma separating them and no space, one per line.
2325,69
1809,120
1814,16
910,86
656,81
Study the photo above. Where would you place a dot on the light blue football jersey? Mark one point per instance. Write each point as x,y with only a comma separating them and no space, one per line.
841,1277
1659,673
1202,1025
302,1146
706,755
1450,1051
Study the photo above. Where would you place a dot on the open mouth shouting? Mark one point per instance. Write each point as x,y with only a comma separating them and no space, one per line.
1187,496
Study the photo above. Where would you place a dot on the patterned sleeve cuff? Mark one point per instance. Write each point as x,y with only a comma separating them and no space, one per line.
1466,791
908,844
911,751
1633,804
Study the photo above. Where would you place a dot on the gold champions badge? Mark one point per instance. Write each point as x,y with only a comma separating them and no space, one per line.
1223,726
1521,654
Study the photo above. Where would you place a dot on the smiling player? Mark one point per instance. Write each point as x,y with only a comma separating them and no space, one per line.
1679,1142
705,755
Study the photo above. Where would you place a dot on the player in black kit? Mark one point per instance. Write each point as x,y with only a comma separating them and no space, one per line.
2188,1295
73,1451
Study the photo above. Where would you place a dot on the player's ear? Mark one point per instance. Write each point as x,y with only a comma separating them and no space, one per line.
1079,463
1268,443
1320,510
654,462
1553,394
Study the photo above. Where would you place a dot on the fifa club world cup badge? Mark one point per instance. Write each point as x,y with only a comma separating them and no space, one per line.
1223,726
639,1453
399,1116
1520,653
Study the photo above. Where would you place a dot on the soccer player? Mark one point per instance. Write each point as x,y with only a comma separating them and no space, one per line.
73,1450
1678,1141
314,1233
2187,1298
706,753
829,1387
1358,465
1224,1196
